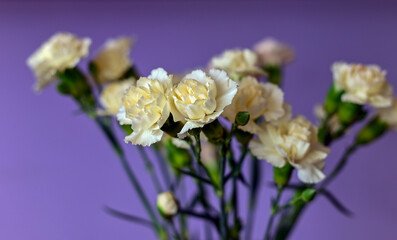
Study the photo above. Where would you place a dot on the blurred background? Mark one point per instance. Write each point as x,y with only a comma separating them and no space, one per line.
57,171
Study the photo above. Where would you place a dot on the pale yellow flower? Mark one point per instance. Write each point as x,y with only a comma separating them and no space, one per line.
237,63
167,204
294,141
274,53
60,52
389,114
200,98
112,95
363,84
146,108
114,59
258,99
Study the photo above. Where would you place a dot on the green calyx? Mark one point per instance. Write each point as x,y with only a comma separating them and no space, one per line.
282,175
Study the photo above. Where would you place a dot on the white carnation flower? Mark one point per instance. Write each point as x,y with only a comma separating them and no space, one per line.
114,59
363,84
60,52
146,108
258,99
294,141
200,98
274,53
112,95
389,114
237,63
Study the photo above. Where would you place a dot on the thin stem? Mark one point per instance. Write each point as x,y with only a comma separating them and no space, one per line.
194,175
175,230
129,217
128,170
339,167
237,168
223,217
273,213
150,168
203,215
255,181
164,168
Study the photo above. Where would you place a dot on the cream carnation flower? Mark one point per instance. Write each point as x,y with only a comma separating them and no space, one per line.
113,59
146,108
61,51
200,98
258,99
363,84
274,53
295,142
389,114
112,95
237,63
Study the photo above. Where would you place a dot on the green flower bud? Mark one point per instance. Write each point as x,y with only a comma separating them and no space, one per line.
242,118
372,131
308,194
282,175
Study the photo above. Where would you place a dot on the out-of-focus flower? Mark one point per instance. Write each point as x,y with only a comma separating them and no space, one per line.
237,63
295,142
114,59
112,95
333,123
258,99
146,108
273,53
60,52
389,114
362,84
200,98
167,204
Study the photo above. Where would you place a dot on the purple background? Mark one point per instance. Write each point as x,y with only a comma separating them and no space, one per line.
57,171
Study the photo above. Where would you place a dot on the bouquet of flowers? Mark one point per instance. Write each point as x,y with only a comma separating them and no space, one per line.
208,124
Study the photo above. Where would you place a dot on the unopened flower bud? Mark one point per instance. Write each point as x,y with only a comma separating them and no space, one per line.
167,204
242,118
372,131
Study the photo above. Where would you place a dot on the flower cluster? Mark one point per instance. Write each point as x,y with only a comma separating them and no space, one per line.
202,114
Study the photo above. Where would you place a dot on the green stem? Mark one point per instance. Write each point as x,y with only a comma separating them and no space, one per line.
255,181
222,217
164,168
128,170
273,213
150,168
339,167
